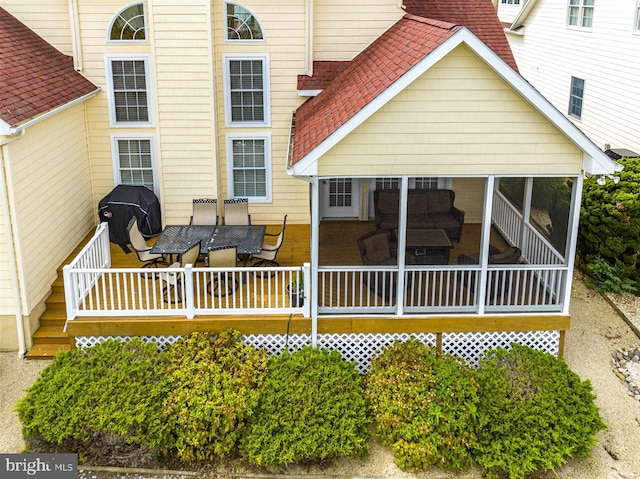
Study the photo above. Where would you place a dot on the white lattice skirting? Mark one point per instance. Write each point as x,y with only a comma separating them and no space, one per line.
361,348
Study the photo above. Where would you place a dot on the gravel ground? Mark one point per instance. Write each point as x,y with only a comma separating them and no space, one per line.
596,328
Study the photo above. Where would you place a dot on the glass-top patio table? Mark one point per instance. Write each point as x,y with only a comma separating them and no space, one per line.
177,239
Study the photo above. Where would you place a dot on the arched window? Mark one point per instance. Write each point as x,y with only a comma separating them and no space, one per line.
128,25
242,24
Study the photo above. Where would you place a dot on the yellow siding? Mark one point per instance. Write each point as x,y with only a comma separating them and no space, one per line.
343,28
470,197
459,118
6,292
51,191
284,29
48,18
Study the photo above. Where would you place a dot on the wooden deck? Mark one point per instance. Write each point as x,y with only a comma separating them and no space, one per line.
338,247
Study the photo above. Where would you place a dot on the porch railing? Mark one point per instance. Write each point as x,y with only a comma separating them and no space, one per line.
510,222
92,288
443,289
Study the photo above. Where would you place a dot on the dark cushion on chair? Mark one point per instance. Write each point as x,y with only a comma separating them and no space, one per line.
377,247
509,256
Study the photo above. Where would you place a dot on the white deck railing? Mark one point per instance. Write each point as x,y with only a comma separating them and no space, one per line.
443,289
509,221
92,288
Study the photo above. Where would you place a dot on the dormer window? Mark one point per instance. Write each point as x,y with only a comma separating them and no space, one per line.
242,24
129,25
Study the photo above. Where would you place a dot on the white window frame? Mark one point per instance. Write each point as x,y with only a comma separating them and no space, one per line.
267,165
117,15
572,96
226,60
510,2
111,95
115,157
236,40
581,14
636,18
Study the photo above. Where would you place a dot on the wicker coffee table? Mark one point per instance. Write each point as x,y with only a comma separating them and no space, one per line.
428,246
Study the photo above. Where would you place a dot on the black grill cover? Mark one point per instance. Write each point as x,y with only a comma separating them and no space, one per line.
125,202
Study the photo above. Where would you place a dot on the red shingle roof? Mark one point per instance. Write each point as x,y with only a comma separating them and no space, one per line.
479,16
369,74
323,73
34,76
427,24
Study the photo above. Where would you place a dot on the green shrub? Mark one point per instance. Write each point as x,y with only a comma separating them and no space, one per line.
534,413
104,402
424,406
215,383
311,410
604,277
610,224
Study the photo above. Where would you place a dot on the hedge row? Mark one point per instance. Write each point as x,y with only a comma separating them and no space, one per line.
211,396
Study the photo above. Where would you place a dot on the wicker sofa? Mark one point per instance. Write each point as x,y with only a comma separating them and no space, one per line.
426,209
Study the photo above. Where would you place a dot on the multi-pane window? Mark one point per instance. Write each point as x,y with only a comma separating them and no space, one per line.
510,2
426,183
340,192
129,25
129,89
249,163
576,97
242,24
580,13
387,183
247,91
134,162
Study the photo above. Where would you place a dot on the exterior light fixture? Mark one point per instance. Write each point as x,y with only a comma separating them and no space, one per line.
601,180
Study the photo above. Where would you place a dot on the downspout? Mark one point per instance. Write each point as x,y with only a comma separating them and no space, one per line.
13,264
76,45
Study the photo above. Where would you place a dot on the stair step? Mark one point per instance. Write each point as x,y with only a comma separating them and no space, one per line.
50,335
46,351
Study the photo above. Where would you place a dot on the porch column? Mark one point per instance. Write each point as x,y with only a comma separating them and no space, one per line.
526,215
315,245
484,242
402,240
572,239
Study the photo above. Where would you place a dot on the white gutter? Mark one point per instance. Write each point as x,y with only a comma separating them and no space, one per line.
11,253
75,35
12,130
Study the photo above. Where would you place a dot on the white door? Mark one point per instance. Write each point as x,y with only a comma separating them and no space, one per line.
340,198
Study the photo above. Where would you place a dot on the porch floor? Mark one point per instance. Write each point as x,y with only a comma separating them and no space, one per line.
338,247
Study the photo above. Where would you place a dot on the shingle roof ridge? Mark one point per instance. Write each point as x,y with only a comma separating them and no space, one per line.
431,21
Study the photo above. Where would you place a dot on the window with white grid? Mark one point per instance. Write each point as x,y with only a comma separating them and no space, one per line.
387,183
128,89
510,2
576,97
249,167
242,25
580,13
246,91
129,25
426,183
134,161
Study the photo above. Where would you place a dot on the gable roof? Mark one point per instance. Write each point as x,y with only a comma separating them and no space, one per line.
389,65
369,74
479,16
35,78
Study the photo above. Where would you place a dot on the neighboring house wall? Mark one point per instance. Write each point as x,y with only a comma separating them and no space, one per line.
550,53
343,28
458,118
49,181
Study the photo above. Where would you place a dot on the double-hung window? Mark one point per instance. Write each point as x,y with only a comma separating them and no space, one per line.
246,91
576,97
580,13
128,89
249,167
134,161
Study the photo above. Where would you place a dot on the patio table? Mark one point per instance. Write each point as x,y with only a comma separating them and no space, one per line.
176,239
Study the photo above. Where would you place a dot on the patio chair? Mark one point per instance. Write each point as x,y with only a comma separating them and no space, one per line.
267,256
140,246
173,279
377,249
224,282
204,211
236,212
